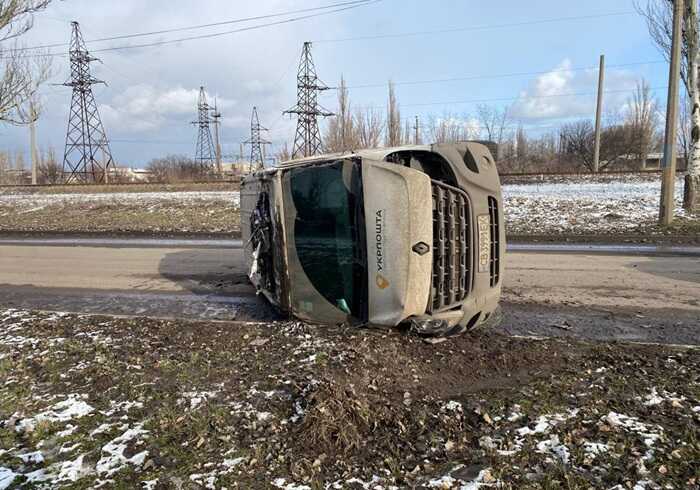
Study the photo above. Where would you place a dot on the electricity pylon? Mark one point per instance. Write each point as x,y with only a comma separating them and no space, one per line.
87,157
307,141
204,152
256,142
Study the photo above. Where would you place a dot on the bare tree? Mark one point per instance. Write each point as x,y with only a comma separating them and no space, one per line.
407,133
23,72
445,129
175,168
283,154
659,17
616,142
493,122
369,124
691,194
450,128
521,144
684,139
4,166
19,162
531,153
341,134
50,171
643,119
577,141
393,119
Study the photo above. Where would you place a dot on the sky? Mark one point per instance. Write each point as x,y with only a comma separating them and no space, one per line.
523,55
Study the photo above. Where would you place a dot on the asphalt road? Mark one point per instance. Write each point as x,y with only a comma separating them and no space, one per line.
620,293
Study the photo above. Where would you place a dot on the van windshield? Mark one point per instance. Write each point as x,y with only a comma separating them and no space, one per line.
329,232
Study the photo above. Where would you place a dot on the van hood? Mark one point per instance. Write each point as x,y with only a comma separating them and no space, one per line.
398,215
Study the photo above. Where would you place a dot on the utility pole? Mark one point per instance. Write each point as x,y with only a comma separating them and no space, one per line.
32,141
216,115
599,109
668,181
86,136
307,141
416,140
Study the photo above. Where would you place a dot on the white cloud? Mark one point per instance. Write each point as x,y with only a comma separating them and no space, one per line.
547,97
147,108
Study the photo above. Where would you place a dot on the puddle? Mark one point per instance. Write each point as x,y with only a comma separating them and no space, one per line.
163,305
606,249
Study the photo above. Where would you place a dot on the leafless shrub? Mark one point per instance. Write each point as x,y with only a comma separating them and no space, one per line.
49,170
337,420
616,143
176,168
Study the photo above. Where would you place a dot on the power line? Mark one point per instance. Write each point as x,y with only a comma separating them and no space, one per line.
520,97
155,142
224,33
503,75
475,28
202,26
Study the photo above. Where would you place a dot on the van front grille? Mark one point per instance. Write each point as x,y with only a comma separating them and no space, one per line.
451,247
495,260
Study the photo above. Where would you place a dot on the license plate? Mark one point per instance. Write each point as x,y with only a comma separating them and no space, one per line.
484,227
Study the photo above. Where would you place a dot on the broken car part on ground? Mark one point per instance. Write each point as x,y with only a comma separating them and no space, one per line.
410,235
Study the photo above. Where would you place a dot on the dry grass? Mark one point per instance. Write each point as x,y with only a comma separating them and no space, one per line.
337,420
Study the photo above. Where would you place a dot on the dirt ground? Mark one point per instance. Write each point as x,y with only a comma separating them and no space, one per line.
154,213
119,188
127,403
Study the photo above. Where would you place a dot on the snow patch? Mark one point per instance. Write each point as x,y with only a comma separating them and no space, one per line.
483,479
113,458
453,406
115,407
282,483
73,470
595,448
553,446
32,458
7,476
71,408
545,423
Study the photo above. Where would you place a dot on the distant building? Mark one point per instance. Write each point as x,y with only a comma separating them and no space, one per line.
128,174
235,169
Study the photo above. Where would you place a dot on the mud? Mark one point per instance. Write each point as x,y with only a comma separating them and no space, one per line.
658,325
